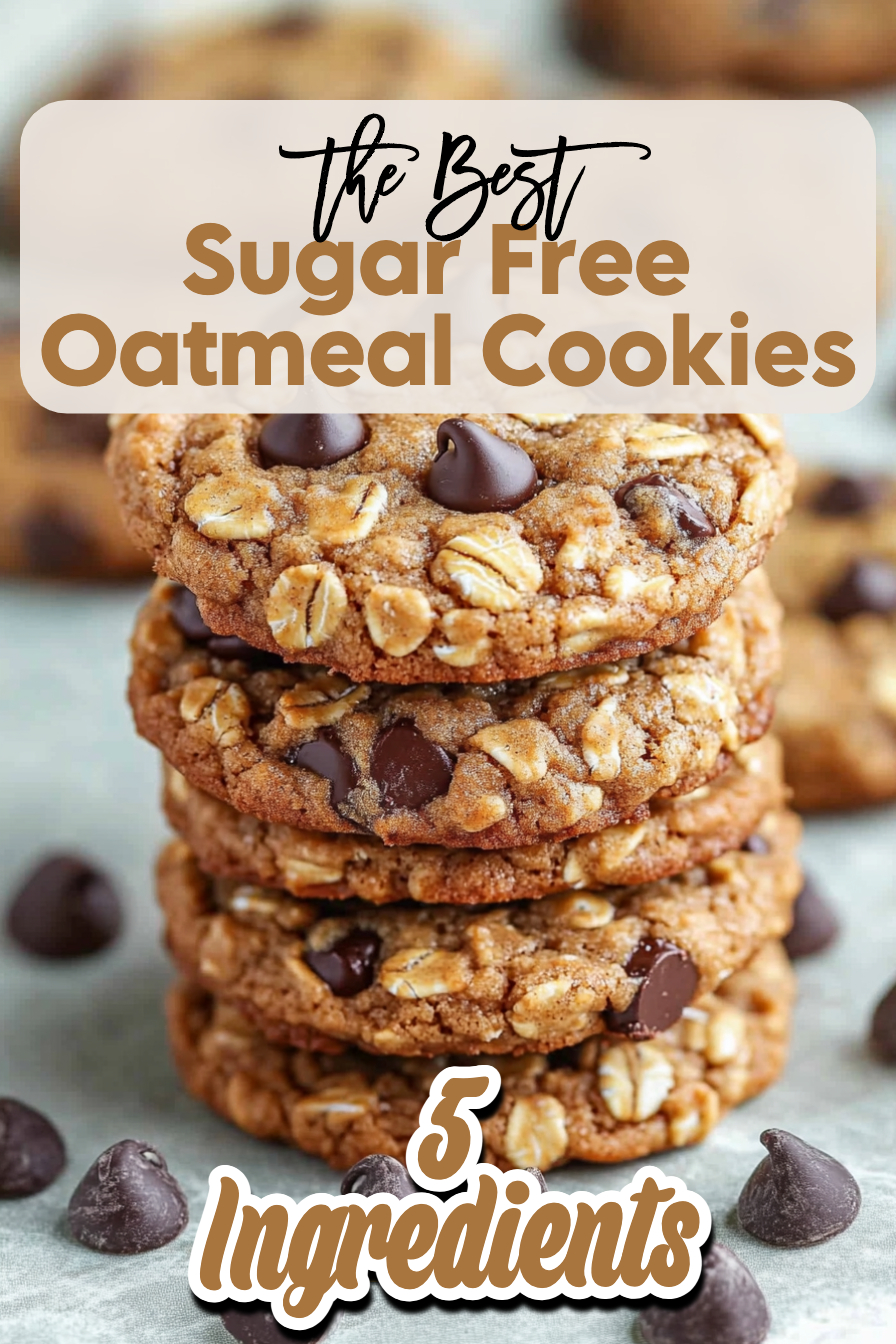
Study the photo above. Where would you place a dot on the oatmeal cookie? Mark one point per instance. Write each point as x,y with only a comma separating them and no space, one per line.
58,515
787,45
414,979
290,53
410,548
678,833
471,766
606,1100
836,574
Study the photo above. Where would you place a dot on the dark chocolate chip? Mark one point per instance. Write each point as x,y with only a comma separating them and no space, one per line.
565,1058
756,844
348,966
477,472
65,908
686,513
668,983
128,1202
798,1195
64,432
378,1175
56,541
231,646
728,1307
254,1323
32,1153
409,769
184,611
883,1027
310,440
845,496
326,758
869,585
815,926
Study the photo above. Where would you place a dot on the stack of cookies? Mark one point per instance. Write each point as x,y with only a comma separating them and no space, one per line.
463,722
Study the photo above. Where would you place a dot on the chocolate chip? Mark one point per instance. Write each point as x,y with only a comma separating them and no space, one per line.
254,1323
326,758
310,440
478,472
668,983
128,1202
348,966
728,1307
65,908
378,1175
184,611
798,1195
756,844
56,541
409,769
686,513
565,1058
815,926
32,1153
845,496
869,585
65,432
883,1027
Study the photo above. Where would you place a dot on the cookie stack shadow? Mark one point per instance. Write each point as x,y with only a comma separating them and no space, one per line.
553,832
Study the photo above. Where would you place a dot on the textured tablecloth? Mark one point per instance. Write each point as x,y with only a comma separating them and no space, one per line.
86,1042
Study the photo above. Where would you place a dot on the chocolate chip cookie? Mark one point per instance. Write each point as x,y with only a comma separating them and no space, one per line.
294,53
412,548
788,45
836,574
678,833
606,1100
480,766
58,515
532,975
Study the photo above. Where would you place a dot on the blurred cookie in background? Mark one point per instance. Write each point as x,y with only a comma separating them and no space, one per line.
834,569
296,52
58,516
793,46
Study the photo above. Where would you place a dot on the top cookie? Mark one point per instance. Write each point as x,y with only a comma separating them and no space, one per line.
407,548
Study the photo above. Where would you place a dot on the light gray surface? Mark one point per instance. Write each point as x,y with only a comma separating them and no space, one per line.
86,1043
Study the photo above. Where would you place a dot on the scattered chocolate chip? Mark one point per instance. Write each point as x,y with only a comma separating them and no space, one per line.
348,966
32,1153
56,541
668,983
756,844
478,472
686,513
254,1323
815,926
326,758
291,23
65,432
185,614
844,496
798,1195
310,440
728,1307
378,1175
869,585
883,1027
128,1202
409,769
565,1058
66,908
